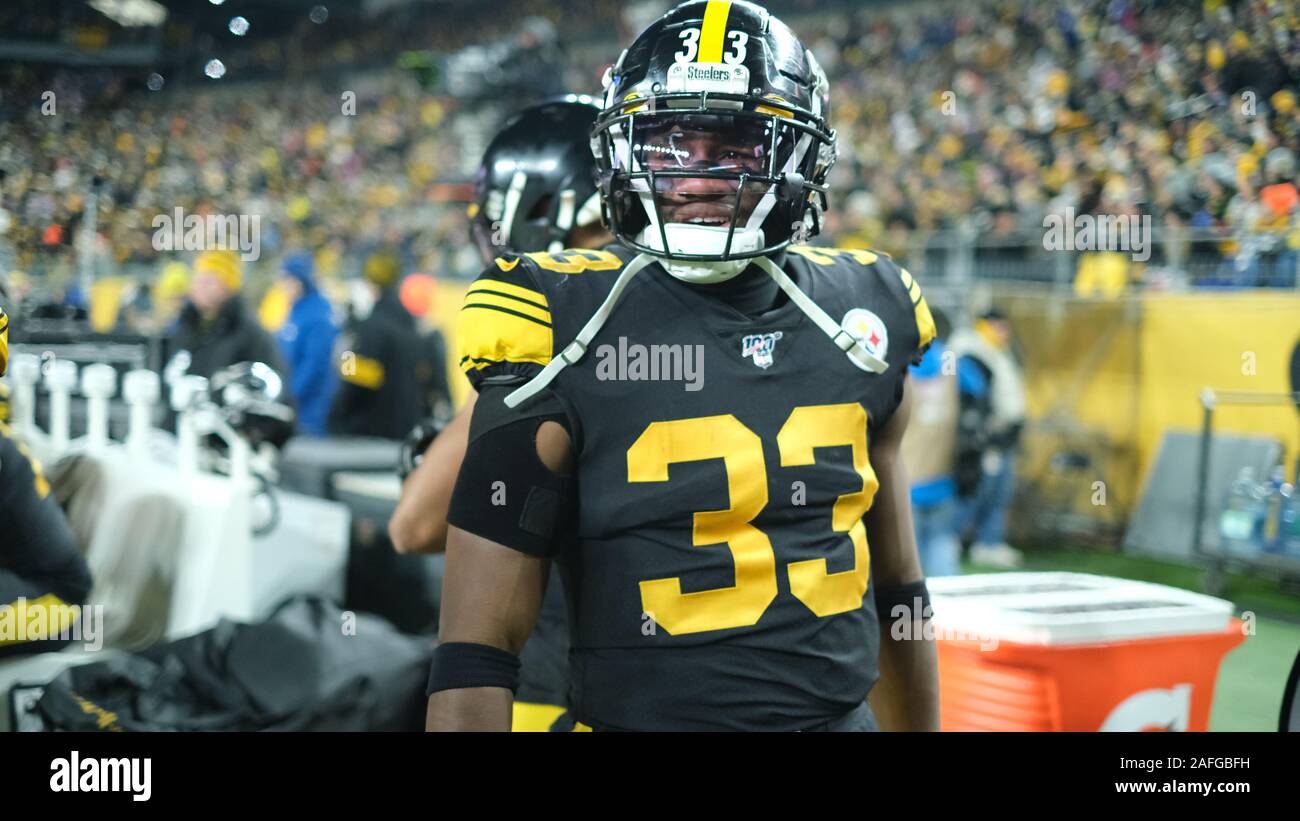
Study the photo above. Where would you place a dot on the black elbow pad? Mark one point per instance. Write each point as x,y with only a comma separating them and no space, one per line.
504,492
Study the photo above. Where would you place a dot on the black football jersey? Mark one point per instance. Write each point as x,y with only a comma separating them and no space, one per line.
39,558
720,574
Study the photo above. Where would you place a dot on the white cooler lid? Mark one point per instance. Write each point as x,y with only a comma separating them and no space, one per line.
1068,608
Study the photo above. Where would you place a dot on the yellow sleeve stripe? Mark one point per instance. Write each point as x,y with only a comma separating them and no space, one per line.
489,334
362,371
714,31
510,289
484,298
909,282
487,306
42,618
924,323
41,483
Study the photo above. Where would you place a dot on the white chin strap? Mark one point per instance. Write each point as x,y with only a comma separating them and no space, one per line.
702,239
575,349
573,352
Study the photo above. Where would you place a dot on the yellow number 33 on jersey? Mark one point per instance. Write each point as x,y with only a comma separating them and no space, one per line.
725,437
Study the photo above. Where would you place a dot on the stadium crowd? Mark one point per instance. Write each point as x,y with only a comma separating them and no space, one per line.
1000,113
973,120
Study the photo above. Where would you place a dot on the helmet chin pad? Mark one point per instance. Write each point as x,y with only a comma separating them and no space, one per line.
702,240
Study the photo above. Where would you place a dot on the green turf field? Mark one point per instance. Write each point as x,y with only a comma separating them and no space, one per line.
1249,691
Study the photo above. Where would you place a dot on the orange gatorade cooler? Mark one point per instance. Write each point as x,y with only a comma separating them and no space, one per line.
1071,651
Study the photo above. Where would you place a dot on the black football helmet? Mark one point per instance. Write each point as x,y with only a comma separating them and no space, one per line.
537,180
713,144
249,396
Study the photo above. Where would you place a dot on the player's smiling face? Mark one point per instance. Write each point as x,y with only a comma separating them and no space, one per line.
705,144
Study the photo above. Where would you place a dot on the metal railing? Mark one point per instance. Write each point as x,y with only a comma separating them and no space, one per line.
1170,259
948,261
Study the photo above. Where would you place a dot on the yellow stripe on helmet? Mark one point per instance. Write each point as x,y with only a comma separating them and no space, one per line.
714,31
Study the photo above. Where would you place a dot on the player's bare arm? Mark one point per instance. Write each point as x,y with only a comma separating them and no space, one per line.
907,695
419,524
492,595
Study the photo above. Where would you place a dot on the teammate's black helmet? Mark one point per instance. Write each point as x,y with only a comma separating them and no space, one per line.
715,100
537,180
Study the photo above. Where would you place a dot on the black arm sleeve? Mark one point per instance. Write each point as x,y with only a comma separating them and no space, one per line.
504,492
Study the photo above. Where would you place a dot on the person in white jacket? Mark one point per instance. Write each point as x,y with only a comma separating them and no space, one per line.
999,408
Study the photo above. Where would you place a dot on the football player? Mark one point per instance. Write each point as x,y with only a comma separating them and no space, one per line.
535,191
699,426
43,576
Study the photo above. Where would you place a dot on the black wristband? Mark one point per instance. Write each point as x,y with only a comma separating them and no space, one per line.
458,665
914,597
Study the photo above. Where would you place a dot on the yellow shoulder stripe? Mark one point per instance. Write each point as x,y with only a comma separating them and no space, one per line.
827,256
38,474
924,321
488,299
489,333
509,289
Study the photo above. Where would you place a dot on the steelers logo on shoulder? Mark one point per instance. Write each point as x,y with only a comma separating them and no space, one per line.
870,332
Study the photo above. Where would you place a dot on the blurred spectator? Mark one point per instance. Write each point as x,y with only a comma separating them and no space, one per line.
993,414
386,367
169,294
419,293
215,327
307,341
928,452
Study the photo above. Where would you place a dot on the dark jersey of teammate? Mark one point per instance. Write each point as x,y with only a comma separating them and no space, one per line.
387,372
39,559
719,575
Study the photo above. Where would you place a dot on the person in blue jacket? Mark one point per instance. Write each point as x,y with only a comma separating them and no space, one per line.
307,339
